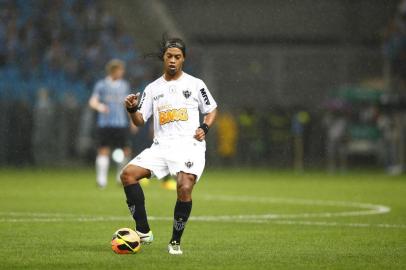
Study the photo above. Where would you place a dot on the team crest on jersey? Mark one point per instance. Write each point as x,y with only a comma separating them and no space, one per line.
189,164
187,93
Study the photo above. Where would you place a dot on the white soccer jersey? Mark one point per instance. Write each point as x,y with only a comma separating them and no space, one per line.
175,106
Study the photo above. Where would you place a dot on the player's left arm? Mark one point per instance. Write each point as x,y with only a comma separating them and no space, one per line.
208,121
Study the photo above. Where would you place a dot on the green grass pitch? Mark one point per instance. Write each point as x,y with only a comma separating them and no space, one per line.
242,219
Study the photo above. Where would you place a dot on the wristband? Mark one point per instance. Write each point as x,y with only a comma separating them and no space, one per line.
205,128
132,109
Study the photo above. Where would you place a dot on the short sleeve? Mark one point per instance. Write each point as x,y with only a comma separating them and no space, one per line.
145,106
206,101
97,90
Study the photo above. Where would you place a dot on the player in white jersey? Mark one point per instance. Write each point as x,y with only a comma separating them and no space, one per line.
174,101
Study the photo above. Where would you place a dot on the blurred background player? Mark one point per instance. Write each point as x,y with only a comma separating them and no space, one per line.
112,121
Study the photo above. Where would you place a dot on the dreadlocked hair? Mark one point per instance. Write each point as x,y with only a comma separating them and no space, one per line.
166,43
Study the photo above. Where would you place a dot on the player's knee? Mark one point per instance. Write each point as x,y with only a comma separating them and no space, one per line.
185,192
127,177
104,151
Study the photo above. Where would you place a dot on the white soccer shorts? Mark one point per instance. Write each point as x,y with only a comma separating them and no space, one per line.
173,156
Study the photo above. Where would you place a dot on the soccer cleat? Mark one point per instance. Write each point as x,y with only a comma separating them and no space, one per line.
174,248
146,238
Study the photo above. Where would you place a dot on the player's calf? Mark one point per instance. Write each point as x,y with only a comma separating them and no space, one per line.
130,177
182,211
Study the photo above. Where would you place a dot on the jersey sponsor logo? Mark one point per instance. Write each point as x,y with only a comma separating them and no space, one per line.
205,96
187,93
158,97
173,115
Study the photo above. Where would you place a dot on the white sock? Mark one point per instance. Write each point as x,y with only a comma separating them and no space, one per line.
102,169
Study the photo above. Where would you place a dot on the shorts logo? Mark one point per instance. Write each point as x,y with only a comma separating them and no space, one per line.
205,96
189,164
187,93
173,115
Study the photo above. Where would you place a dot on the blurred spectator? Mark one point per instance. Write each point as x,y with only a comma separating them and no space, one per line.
387,125
251,146
395,48
336,125
226,136
300,120
44,135
68,121
277,136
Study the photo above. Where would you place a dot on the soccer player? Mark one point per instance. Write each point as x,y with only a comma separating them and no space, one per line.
112,119
174,100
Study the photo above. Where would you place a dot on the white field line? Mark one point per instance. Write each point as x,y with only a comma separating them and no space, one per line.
128,219
368,209
285,219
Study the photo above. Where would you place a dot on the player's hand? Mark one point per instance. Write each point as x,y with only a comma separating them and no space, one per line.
200,135
102,108
134,129
132,100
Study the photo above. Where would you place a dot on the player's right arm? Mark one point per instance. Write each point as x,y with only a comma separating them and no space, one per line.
131,103
139,110
94,101
95,104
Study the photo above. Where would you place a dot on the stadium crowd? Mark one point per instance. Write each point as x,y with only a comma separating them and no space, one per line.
61,45
51,54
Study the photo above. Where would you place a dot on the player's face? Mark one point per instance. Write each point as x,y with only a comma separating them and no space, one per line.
118,73
173,61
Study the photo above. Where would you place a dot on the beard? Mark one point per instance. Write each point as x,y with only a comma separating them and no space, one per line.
172,71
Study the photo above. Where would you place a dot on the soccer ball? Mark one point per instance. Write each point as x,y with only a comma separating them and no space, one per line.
125,241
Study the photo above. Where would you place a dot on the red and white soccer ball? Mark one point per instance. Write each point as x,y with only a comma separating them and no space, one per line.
125,241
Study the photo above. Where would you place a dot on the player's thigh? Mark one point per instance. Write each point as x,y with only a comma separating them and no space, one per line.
131,174
152,159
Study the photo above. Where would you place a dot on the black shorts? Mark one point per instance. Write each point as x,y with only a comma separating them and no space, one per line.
113,137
